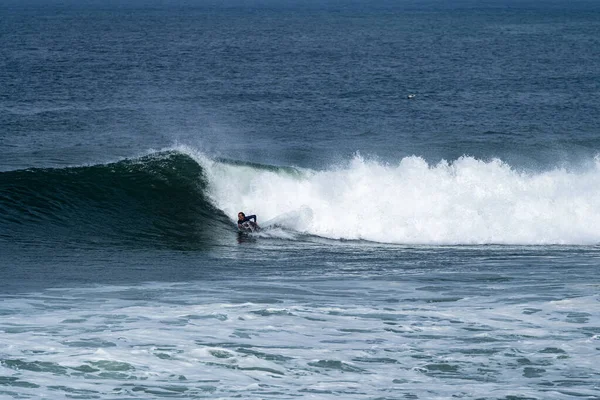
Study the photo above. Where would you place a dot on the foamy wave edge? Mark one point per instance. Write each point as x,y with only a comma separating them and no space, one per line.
465,201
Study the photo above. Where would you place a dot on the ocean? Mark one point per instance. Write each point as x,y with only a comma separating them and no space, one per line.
426,175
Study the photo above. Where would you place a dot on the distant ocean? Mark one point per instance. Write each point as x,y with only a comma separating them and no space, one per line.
426,175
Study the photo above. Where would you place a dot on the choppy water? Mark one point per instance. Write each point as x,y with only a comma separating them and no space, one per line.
435,246
326,322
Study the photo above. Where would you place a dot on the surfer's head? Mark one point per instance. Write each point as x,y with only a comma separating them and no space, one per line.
241,215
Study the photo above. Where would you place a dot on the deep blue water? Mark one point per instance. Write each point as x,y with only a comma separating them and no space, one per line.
299,86
426,175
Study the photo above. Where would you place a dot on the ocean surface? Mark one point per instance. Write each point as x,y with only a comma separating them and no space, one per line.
426,175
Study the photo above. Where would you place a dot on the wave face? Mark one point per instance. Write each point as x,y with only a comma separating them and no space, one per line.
154,200
182,199
467,201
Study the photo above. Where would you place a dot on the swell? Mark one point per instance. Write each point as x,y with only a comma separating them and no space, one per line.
156,200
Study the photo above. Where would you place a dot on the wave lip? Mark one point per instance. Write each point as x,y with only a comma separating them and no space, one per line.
467,201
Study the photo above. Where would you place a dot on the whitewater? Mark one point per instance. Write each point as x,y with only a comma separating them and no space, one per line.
465,201
268,320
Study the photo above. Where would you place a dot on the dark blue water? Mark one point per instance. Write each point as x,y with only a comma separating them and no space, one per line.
426,176
299,85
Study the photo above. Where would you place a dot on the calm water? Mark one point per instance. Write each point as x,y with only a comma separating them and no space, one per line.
426,175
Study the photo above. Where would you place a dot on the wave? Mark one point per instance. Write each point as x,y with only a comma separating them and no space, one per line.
157,199
181,198
467,201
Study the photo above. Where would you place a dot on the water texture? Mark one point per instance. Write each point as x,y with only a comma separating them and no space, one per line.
426,175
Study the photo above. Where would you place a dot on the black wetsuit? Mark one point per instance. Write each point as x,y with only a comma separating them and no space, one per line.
246,219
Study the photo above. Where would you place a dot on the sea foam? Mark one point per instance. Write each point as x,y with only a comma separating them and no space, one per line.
466,201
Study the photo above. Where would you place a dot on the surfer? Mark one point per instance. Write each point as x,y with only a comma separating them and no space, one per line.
245,223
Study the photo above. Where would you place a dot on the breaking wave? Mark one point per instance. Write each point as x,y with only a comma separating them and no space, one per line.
181,197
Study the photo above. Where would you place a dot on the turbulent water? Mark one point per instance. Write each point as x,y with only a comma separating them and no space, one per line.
426,177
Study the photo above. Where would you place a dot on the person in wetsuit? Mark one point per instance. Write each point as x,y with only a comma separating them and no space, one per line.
242,218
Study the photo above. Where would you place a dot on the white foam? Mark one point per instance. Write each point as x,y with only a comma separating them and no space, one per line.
108,347
467,201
